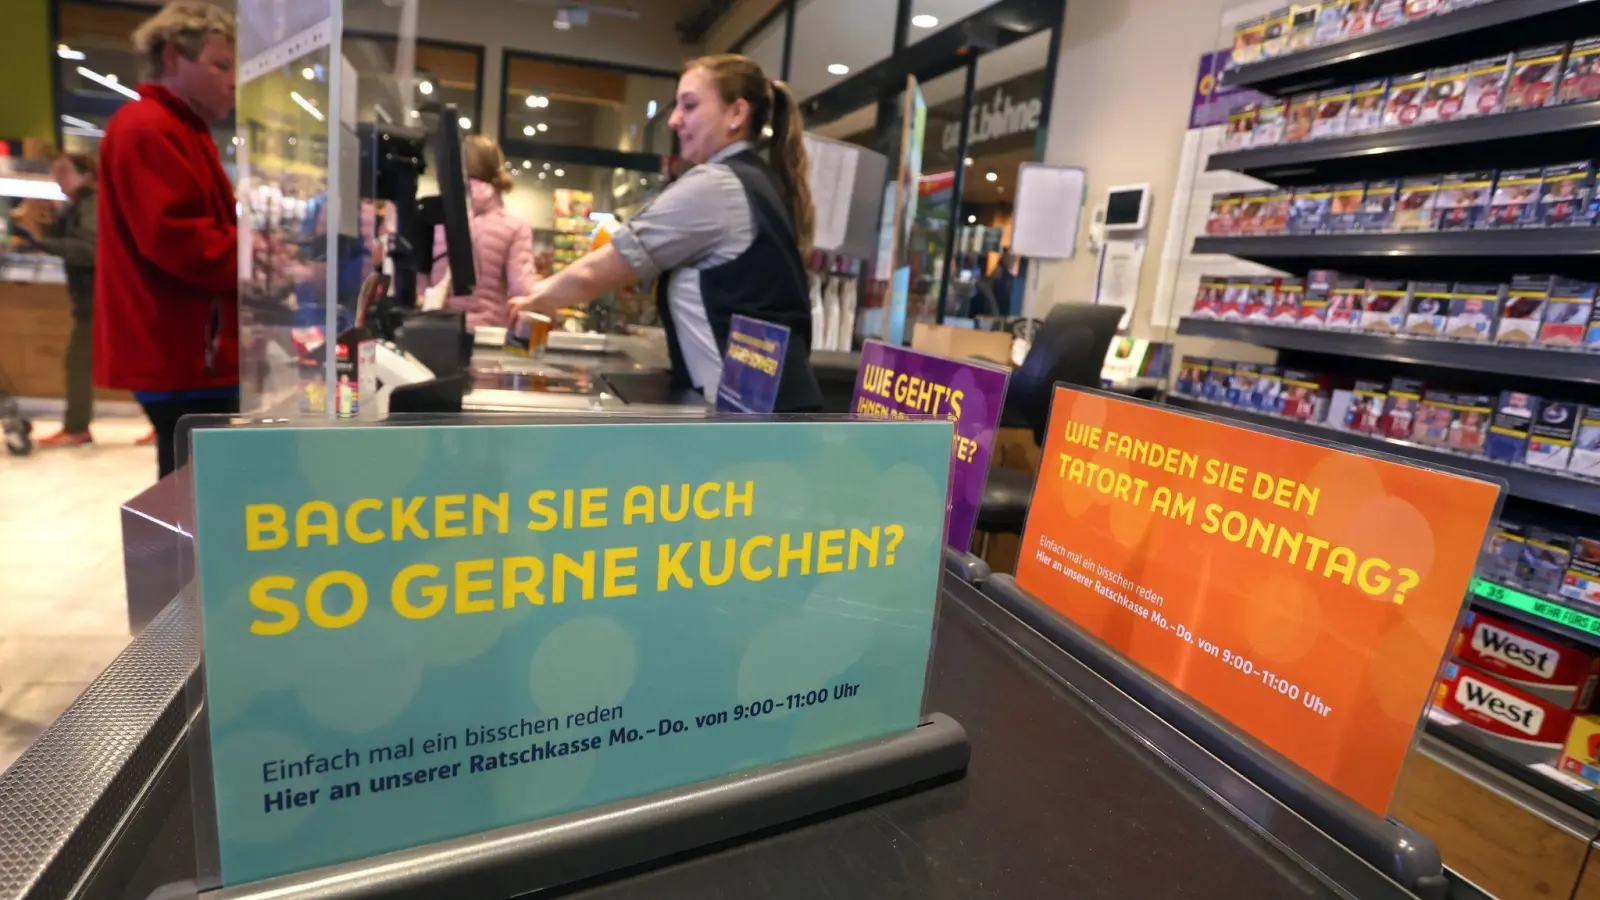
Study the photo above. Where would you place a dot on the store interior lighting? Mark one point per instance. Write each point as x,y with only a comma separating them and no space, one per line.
560,173
65,52
543,127
547,167
108,81
527,131
990,176
925,21
466,123
838,69
650,110
527,164
541,176
972,220
425,87
84,127
306,105
537,101
308,73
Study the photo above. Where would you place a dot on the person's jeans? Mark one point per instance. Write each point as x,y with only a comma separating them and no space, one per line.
164,416
80,377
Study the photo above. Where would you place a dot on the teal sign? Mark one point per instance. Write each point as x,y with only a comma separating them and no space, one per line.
414,633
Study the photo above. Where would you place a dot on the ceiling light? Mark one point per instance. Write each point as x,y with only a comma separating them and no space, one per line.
293,140
541,176
425,86
971,220
547,167
543,127
111,77
969,160
650,110
527,164
838,69
308,73
413,114
560,172
65,52
537,101
306,105
80,123
466,123
643,183
30,189
527,131
925,21
237,141
990,176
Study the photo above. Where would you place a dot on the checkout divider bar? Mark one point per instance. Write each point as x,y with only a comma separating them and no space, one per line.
1394,849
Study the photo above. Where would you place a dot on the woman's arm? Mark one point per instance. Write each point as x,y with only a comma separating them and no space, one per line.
594,274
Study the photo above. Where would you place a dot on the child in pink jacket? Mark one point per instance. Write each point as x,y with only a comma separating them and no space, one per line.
502,244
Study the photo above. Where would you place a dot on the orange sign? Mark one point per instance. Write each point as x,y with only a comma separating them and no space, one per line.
1305,594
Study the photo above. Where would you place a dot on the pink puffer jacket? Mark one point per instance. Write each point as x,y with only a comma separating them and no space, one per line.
502,251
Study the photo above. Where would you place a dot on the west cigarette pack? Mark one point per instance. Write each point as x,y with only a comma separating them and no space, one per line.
1430,308
1509,427
1560,673
1566,313
1511,720
1474,307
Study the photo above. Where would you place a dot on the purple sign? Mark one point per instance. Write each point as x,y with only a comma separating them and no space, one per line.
1213,100
896,383
752,366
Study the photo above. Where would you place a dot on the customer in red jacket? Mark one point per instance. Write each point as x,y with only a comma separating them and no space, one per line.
166,282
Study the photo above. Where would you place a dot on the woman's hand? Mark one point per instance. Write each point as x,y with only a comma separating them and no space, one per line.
534,301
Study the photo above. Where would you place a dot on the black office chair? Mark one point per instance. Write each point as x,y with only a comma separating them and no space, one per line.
1070,346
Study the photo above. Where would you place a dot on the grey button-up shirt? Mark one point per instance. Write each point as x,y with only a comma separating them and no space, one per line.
700,221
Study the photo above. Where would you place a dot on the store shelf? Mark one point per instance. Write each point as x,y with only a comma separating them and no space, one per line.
1464,738
1539,486
1501,26
1550,614
1455,254
1511,140
1503,359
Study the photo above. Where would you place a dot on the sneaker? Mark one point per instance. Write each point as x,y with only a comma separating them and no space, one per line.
148,440
66,439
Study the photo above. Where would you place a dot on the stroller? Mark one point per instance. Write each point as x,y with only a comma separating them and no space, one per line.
18,430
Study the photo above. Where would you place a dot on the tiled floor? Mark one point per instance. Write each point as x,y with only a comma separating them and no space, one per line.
63,613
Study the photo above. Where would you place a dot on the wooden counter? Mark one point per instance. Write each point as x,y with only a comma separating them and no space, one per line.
35,324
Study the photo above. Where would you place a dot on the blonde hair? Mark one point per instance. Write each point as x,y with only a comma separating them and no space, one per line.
485,162
184,24
771,104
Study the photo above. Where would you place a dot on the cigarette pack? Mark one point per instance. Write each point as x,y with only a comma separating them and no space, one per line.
1513,723
1269,124
1501,552
1302,116
1403,105
1430,308
1486,86
1218,376
1358,17
1421,9
1309,213
1286,305
1233,298
1561,673
1387,14
1192,375
1344,207
1252,206
1242,383
1305,395
1217,217
1564,195
1366,107
1314,304
1208,297
1550,438
1247,40
1385,306
1378,205
1586,449
1581,80
1463,199
1445,95
1330,21
1508,427
1582,581
1523,310
1580,755
1275,212
1241,127
1275,40
1332,107
1543,564
1534,74
1400,409
1413,209
1567,312
1367,402
1516,199
1258,302
1268,394
1302,27
1435,415
1345,302
1474,307
1470,430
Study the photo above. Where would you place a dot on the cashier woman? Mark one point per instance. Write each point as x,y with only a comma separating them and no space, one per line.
727,238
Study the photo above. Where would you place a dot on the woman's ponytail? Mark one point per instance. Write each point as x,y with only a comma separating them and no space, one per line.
793,166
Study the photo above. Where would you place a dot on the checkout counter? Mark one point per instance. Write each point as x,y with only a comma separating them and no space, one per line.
1073,789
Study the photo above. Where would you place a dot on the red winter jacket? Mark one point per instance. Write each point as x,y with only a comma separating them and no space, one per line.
166,290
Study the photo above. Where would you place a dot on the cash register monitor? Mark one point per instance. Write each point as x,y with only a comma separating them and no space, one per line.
450,208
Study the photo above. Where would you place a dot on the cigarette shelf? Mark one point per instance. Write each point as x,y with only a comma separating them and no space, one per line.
1454,37
1533,137
1552,614
1537,485
1453,254
1506,359
1462,737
